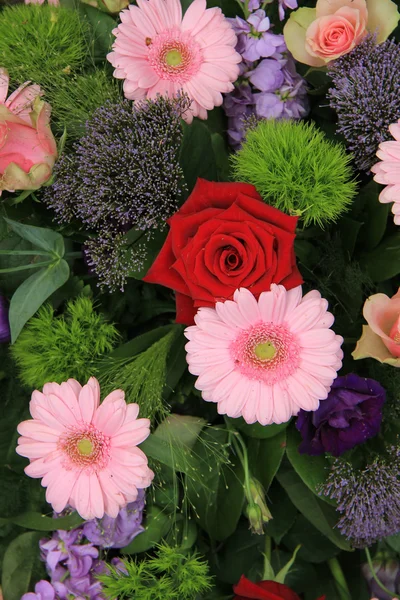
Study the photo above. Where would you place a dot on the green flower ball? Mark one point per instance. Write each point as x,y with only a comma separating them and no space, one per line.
55,349
295,168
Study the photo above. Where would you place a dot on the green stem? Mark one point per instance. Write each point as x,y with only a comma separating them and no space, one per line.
340,580
374,575
24,253
241,451
25,267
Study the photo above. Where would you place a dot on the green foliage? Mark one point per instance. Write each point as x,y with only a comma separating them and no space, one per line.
142,377
58,348
168,574
20,565
75,100
43,44
296,169
197,155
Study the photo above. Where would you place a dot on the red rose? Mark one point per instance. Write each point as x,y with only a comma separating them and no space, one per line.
264,590
222,238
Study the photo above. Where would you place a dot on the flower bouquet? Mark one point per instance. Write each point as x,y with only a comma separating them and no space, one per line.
199,300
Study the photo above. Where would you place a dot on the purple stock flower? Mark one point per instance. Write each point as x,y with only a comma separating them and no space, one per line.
268,86
283,4
350,415
43,591
119,532
4,323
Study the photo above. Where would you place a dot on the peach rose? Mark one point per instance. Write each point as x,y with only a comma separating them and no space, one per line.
335,27
381,337
28,150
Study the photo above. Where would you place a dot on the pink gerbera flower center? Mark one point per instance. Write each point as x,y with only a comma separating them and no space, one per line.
266,352
85,447
174,55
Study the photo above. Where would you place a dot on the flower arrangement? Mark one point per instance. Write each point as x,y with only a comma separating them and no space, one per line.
199,300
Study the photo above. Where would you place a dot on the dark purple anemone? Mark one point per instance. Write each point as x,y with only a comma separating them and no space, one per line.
4,323
350,415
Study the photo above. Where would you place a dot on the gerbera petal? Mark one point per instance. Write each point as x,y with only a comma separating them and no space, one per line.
282,356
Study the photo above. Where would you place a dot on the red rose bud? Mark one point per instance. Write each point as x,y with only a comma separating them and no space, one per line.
224,237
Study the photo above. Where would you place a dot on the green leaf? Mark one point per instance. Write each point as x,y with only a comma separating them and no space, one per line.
313,470
39,522
315,547
217,494
221,157
265,457
384,261
170,454
47,239
31,294
349,230
283,512
197,156
239,554
321,515
180,429
140,343
372,213
394,542
281,576
156,524
102,25
18,565
256,430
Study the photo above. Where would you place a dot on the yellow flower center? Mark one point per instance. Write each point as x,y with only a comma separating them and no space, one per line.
265,351
85,447
173,58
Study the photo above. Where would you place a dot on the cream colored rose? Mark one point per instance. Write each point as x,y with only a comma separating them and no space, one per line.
335,27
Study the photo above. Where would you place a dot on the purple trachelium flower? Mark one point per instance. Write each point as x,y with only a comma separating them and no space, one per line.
350,415
365,95
43,591
268,86
124,173
4,322
119,532
388,573
368,499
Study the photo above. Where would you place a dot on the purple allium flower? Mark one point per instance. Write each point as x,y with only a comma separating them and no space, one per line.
4,323
124,174
365,95
388,573
119,532
368,499
350,415
43,591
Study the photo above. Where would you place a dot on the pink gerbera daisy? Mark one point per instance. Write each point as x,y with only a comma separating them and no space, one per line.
387,171
265,360
157,51
85,451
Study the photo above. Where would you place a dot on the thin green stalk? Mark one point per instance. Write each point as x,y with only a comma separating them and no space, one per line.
374,575
340,580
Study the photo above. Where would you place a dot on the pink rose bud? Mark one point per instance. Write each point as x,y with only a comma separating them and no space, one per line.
28,150
381,337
